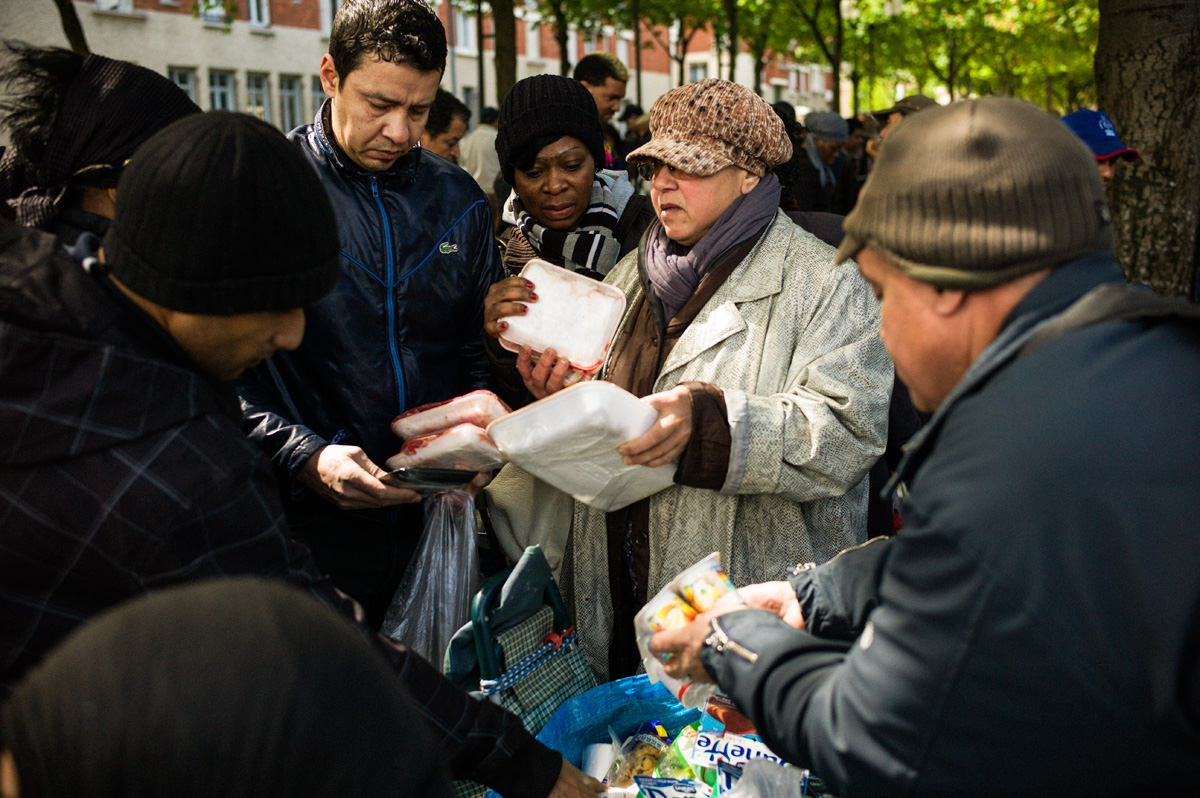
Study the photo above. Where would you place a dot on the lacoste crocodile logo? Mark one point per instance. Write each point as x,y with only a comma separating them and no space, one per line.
446,248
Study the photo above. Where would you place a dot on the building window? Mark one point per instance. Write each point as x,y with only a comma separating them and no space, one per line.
623,50
184,79
258,96
804,82
464,32
318,95
468,98
778,96
117,6
289,102
697,72
533,41
220,91
327,9
258,12
572,46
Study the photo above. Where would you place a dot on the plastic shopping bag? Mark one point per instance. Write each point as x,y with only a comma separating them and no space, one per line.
434,597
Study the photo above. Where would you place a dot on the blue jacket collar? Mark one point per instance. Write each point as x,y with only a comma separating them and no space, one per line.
404,166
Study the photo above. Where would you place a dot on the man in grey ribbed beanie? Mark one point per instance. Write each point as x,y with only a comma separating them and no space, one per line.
1042,593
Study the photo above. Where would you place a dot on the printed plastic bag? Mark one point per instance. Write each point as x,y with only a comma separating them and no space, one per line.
434,597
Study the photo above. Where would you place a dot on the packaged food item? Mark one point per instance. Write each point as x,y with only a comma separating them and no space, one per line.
651,787
667,611
704,583
574,315
721,716
732,748
675,761
570,439
639,754
477,407
462,446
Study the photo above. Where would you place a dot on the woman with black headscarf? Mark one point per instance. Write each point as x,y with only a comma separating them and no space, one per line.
74,121
238,687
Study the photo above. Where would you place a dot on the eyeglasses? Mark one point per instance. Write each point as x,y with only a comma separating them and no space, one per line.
648,169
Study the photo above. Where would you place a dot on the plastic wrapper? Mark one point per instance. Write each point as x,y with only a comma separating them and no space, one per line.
655,787
703,584
570,439
639,754
462,446
434,597
574,315
675,763
477,407
763,779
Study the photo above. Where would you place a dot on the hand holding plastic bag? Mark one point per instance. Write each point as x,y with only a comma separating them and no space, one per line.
434,597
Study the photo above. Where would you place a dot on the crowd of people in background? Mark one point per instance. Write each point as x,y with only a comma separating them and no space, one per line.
946,452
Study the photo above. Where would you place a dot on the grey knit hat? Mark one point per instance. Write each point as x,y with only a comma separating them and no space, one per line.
978,193
827,126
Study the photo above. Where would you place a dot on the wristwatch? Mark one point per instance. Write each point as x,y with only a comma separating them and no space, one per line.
719,640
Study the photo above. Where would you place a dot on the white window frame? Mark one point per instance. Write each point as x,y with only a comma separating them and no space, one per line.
464,33
185,79
229,90
318,95
623,50
258,95
572,46
291,102
533,41
697,71
258,13
115,6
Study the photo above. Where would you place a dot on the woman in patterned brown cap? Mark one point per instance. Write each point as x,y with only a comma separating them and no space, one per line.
762,358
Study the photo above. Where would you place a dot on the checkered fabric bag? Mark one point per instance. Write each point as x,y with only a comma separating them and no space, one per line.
531,666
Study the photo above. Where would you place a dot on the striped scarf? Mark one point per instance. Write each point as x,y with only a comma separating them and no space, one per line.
591,245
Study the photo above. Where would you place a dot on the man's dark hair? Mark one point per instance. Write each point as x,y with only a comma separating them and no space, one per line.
596,68
445,109
853,123
34,80
397,31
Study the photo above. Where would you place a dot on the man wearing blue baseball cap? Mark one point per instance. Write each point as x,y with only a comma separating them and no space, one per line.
1100,134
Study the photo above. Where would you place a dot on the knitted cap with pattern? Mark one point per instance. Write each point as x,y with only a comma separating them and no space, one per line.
541,109
978,193
708,125
219,214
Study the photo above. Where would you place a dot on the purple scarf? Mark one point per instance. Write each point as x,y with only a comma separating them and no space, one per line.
676,270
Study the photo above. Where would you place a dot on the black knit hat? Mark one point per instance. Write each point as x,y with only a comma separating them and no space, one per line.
219,214
542,109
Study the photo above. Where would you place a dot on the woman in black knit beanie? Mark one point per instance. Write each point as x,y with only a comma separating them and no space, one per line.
563,208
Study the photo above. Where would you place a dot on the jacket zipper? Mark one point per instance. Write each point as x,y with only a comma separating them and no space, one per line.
391,297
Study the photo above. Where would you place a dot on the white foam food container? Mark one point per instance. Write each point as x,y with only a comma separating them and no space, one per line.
477,407
462,446
574,315
570,439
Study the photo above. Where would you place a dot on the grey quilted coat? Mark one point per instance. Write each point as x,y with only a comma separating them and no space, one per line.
794,343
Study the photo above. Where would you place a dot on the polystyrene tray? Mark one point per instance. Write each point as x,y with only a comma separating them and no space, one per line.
463,446
570,439
574,315
477,407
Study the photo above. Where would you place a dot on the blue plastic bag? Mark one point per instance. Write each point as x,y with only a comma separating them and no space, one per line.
622,705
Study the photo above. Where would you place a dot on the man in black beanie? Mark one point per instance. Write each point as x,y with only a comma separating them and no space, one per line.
403,326
123,467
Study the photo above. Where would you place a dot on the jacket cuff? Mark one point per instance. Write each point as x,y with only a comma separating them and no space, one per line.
705,460
295,460
531,772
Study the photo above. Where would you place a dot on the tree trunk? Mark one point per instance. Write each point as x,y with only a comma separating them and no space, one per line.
504,30
560,38
1148,77
71,26
731,12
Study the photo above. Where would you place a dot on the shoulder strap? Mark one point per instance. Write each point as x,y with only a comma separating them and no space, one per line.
628,223
1113,302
